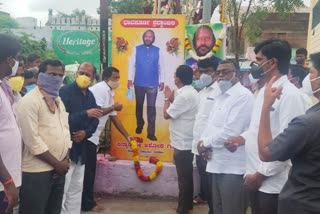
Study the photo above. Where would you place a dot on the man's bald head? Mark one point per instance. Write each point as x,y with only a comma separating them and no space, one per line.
88,69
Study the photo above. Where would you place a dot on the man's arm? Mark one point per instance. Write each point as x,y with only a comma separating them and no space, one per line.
161,69
131,67
11,192
236,122
117,123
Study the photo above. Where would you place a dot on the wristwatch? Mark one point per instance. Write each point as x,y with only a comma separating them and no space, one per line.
165,99
202,144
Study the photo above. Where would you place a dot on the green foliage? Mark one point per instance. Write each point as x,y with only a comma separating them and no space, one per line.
7,23
29,46
126,6
253,30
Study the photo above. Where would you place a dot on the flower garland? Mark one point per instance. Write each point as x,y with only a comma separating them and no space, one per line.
152,160
208,55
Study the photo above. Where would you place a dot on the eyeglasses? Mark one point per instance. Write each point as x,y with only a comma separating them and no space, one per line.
223,72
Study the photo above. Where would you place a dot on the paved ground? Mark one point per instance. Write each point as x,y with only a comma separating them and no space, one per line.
122,205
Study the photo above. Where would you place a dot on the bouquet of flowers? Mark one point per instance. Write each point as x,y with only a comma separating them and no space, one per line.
121,44
173,46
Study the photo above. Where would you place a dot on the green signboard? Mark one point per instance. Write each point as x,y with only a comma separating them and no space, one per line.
73,47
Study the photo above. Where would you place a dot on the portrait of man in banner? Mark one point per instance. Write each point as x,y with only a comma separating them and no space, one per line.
146,66
147,49
208,41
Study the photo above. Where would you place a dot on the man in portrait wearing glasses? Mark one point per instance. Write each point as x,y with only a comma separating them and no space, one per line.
230,116
264,180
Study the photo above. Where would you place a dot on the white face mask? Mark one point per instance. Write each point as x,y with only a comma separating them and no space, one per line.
14,69
206,79
252,80
306,85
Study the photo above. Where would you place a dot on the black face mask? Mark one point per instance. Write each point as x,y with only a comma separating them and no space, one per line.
256,71
299,61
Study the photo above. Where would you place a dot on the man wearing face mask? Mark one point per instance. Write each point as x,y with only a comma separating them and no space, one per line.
300,143
230,116
207,69
146,65
44,126
301,58
103,94
265,180
181,114
17,82
83,120
10,138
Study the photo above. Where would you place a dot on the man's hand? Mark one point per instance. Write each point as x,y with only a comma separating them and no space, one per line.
94,113
130,138
232,143
117,107
78,136
167,92
62,167
11,196
253,182
271,94
161,86
129,83
203,151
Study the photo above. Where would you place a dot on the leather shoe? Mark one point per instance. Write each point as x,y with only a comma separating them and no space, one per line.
139,130
152,137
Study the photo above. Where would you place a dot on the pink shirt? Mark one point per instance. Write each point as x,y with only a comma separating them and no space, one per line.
10,137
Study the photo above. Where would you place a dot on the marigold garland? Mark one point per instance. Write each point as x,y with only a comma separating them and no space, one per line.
208,55
137,167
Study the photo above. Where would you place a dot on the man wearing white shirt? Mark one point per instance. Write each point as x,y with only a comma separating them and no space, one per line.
146,66
230,116
181,113
265,180
206,68
103,94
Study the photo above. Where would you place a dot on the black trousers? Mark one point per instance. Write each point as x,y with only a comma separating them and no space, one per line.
263,203
183,160
151,93
3,205
88,202
205,182
41,193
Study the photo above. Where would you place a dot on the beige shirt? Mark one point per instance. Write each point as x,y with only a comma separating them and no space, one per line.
42,131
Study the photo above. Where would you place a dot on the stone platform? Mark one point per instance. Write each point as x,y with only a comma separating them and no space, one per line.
119,177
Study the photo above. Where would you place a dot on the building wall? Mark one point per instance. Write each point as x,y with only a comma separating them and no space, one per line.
313,34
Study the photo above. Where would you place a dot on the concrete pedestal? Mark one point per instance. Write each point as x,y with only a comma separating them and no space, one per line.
120,177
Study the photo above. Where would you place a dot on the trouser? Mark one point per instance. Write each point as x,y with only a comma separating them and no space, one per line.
205,182
228,194
89,174
41,193
183,160
151,93
3,205
263,203
71,203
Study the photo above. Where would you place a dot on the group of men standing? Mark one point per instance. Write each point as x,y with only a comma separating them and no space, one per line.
60,130
235,162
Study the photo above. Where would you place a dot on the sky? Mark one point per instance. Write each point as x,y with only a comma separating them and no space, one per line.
39,8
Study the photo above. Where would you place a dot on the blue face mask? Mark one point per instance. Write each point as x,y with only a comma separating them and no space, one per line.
51,84
30,87
198,85
224,85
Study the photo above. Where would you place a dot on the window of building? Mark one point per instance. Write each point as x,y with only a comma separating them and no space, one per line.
315,15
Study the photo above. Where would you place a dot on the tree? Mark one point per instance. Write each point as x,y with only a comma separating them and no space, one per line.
129,7
248,18
29,46
7,23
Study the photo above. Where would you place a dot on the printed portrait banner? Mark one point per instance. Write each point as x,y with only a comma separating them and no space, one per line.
74,47
127,37
219,32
